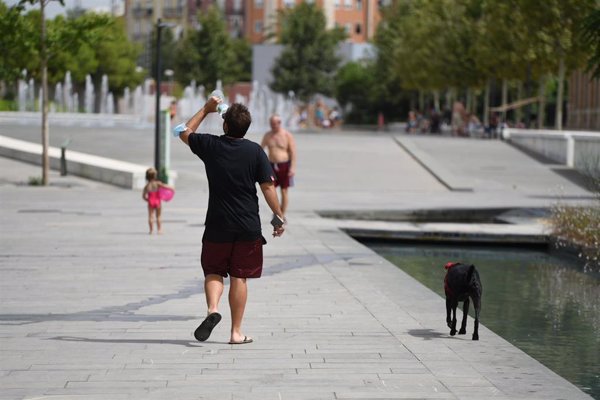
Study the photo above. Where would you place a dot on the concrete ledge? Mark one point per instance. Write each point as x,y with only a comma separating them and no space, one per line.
446,178
530,234
114,172
575,149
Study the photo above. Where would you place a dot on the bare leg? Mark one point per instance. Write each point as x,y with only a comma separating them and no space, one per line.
158,222
213,289
238,294
150,219
284,200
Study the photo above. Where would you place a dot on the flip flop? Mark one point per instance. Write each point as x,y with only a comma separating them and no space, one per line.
245,341
205,329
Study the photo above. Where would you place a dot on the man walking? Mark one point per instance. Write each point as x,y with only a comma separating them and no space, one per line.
281,149
232,241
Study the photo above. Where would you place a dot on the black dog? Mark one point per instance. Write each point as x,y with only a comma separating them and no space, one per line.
461,283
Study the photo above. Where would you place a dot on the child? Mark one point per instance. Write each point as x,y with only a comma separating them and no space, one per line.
152,195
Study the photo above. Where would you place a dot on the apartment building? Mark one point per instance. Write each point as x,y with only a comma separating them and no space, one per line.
359,18
254,19
141,17
233,12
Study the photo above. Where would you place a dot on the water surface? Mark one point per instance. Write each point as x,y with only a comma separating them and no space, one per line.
545,305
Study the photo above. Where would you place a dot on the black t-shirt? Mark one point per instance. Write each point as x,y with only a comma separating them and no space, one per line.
233,167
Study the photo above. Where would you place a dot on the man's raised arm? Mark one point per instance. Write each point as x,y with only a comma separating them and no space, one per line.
190,127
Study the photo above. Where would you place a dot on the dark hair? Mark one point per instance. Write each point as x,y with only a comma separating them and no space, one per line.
238,120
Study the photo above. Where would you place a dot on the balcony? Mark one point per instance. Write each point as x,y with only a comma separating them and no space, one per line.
173,12
142,12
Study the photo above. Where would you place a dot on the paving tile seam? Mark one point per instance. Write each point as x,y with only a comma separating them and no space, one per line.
334,276
390,332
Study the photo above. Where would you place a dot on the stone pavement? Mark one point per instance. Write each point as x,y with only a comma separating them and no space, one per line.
94,307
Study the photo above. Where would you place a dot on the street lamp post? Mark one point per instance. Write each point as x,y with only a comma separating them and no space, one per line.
169,74
157,165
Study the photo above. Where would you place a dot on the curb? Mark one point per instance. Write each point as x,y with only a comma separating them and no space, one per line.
447,179
119,173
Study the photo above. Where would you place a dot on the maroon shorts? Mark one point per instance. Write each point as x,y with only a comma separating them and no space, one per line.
240,259
282,178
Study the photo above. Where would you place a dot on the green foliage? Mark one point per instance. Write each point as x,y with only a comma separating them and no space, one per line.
116,55
590,35
35,181
17,44
167,51
354,83
431,45
243,59
84,43
210,54
308,61
8,105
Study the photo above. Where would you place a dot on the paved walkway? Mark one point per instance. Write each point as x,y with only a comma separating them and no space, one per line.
93,307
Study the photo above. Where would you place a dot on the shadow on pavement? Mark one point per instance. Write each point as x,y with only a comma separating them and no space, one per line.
426,334
186,343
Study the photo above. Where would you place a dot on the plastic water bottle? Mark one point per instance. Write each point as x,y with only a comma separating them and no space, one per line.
222,107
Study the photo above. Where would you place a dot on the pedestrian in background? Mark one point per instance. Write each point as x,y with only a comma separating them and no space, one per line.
152,195
281,150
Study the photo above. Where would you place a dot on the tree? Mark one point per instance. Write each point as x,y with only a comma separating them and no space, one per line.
116,56
44,68
208,54
560,23
308,61
591,38
17,42
428,46
353,90
243,59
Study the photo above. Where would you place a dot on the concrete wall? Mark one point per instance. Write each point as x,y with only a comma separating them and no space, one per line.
576,149
586,154
114,172
264,56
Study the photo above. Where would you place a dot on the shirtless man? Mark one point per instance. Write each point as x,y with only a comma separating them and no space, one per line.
282,155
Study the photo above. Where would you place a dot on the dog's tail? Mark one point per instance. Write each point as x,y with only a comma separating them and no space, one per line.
470,273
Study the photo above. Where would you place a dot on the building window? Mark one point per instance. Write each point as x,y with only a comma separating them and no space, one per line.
259,3
358,29
237,5
348,4
348,29
359,5
289,3
258,26
336,3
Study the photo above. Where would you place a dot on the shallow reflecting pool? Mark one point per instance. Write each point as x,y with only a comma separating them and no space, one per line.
545,305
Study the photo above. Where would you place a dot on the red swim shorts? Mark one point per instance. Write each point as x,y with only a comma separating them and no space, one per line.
241,259
282,178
